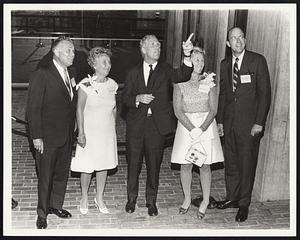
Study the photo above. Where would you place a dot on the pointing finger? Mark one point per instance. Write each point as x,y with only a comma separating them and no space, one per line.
190,37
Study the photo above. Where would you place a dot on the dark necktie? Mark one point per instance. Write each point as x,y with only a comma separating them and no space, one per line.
235,76
150,72
67,82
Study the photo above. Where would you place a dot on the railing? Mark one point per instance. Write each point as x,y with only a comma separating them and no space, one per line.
27,51
86,26
31,147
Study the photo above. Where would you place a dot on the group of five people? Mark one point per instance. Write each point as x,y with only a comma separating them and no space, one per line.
55,101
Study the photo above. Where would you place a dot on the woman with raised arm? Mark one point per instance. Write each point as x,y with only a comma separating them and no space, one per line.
195,105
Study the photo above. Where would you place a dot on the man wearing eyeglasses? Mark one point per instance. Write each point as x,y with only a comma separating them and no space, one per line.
244,102
149,119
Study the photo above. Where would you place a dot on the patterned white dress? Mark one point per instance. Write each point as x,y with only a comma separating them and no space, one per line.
196,107
100,152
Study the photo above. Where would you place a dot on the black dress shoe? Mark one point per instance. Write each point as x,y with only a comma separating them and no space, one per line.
197,201
227,204
130,207
152,209
60,213
41,223
242,214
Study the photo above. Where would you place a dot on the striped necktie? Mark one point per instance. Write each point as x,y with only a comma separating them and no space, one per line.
67,82
235,76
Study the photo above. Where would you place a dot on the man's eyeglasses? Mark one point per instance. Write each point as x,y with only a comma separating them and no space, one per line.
241,37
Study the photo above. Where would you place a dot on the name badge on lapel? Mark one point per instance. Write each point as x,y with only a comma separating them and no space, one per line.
73,82
245,78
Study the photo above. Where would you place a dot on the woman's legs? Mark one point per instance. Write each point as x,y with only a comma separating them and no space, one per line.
186,180
100,180
85,180
205,179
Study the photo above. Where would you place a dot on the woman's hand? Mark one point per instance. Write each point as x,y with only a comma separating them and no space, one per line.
81,140
195,133
187,46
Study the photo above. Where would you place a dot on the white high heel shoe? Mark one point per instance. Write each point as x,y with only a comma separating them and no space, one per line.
102,210
83,211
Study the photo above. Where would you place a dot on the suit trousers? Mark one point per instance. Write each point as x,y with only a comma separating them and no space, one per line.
241,152
151,145
53,171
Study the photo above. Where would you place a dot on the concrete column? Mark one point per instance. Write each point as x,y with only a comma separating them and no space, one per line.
268,34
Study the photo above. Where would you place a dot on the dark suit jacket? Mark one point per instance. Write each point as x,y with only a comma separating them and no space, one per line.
159,85
250,103
50,111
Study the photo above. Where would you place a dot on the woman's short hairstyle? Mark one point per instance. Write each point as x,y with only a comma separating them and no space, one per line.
95,53
197,49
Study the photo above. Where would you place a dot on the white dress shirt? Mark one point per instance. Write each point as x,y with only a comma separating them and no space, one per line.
240,60
146,71
62,74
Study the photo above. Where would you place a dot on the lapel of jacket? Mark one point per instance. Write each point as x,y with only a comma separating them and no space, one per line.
140,77
229,72
243,69
245,63
72,76
59,80
154,76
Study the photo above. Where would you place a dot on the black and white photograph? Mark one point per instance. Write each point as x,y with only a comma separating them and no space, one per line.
149,119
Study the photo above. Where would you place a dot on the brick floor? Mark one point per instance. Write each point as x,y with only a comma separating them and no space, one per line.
262,215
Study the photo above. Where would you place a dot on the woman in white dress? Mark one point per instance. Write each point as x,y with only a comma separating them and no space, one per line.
96,115
195,105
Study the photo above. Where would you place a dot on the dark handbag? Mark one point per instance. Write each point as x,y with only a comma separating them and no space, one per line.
196,154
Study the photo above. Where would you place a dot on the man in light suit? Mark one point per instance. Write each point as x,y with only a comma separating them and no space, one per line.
149,119
244,102
51,109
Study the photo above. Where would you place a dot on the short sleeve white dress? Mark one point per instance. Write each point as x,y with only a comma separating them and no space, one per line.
100,152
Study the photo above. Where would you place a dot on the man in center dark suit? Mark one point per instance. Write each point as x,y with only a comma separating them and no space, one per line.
149,119
51,110
244,102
